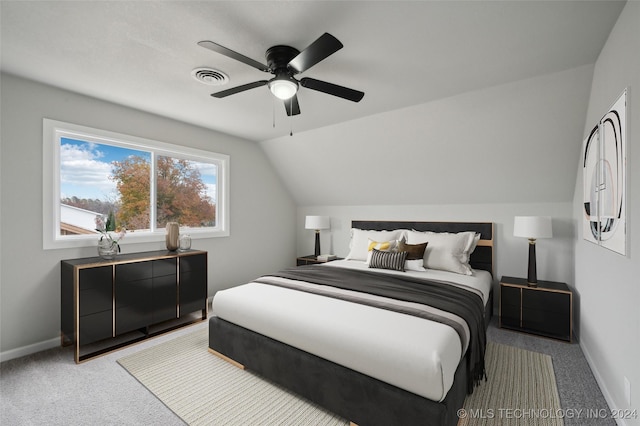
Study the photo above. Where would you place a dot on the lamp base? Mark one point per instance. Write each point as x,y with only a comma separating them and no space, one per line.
317,253
532,279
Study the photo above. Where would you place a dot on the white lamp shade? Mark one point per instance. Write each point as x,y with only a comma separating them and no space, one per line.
317,222
532,227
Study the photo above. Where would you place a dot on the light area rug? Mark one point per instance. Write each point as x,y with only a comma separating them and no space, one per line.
203,389
521,390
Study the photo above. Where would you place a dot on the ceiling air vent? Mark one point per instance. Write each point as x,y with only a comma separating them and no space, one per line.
210,76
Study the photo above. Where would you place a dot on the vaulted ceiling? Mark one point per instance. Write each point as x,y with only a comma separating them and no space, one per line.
401,54
465,101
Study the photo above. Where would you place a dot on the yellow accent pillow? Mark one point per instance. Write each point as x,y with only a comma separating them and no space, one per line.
382,246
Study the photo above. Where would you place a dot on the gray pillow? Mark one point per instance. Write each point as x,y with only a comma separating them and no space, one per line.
388,260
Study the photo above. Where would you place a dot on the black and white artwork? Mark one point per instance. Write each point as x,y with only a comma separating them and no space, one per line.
604,179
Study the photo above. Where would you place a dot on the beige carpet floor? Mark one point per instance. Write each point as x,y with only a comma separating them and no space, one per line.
202,389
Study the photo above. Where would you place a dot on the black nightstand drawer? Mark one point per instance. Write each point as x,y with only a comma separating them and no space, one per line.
551,324
546,301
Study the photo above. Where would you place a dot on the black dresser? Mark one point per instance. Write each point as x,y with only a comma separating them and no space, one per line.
108,304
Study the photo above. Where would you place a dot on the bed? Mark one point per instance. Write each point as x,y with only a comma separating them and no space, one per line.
365,360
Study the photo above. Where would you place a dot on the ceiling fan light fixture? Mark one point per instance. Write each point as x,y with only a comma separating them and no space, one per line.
283,87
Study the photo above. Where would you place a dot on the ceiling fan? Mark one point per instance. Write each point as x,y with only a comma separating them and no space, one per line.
284,62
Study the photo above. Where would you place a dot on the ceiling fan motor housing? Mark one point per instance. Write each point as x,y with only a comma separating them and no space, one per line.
278,57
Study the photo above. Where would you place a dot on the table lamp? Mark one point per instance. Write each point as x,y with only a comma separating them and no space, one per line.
532,227
317,223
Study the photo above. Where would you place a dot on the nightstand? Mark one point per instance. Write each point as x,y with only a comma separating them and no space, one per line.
311,260
545,310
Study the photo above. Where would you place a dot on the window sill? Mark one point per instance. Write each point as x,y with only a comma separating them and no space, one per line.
132,237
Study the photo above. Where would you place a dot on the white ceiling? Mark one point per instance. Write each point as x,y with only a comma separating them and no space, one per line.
141,54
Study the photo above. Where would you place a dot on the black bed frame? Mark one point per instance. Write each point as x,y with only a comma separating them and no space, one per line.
358,398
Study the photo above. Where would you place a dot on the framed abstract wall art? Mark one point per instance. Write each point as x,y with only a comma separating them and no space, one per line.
604,156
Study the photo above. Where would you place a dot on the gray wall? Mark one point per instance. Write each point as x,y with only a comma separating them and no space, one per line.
513,143
608,284
30,276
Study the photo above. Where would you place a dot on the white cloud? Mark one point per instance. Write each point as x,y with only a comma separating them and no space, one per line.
82,174
206,169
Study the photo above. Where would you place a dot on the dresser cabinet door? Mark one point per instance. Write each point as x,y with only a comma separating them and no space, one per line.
134,282
96,304
193,283
165,290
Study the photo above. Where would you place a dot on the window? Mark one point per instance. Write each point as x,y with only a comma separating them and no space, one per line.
128,182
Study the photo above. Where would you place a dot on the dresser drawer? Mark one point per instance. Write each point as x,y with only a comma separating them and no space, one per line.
95,278
164,267
96,327
134,271
96,290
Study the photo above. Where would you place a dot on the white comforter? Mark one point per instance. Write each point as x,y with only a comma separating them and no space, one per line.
412,353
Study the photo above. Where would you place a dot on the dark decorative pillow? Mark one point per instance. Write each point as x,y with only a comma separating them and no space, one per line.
415,251
388,260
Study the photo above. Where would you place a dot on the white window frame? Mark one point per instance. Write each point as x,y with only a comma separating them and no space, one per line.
54,130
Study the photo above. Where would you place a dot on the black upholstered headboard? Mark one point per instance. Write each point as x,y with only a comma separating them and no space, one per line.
481,258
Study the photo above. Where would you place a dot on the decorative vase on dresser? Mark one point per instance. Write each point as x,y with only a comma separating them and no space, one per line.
107,249
173,234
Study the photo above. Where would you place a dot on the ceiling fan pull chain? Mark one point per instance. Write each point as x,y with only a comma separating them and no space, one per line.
291,118
274,113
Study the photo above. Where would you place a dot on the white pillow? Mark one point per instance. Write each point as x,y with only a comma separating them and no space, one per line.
446,251
414,265
359,244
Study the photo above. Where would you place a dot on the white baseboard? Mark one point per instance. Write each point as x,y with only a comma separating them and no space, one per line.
601,384
29,349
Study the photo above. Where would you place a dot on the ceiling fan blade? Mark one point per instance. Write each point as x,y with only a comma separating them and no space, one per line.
232,54
292,106
320,49
239,89
332,89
